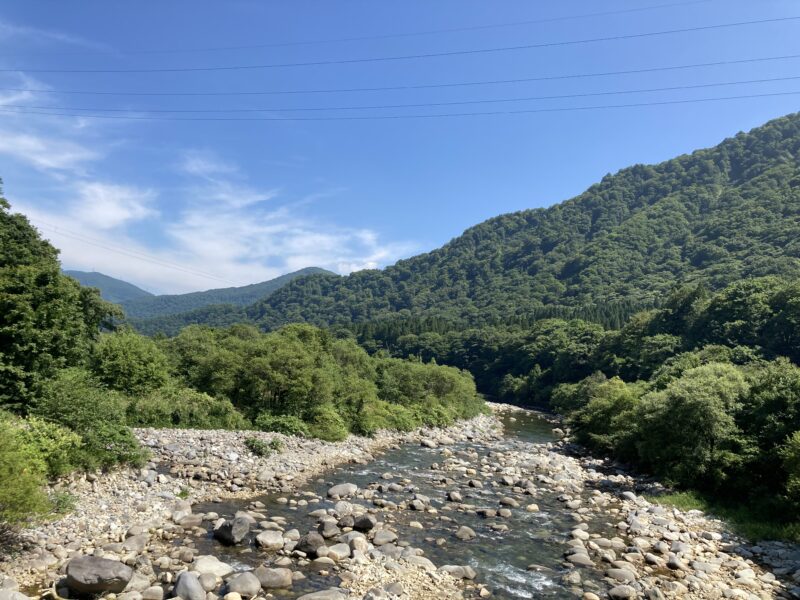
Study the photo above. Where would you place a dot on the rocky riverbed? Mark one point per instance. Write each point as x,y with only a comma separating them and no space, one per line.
460,512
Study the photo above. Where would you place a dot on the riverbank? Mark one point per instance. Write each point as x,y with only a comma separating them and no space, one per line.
395,534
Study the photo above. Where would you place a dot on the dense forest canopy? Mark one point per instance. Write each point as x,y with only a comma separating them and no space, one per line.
111,289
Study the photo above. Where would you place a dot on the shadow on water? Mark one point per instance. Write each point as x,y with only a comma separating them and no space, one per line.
500,558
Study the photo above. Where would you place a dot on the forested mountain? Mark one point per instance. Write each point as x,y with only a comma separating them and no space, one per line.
111,289
717,215
169,304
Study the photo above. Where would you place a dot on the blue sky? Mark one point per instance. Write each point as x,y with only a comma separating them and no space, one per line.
177,206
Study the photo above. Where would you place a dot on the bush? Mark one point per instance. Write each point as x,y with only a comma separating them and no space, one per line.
258,447
22,478
383,415
285,424
130,363
76,400
55,445
790,453
606,420
180,407
326,424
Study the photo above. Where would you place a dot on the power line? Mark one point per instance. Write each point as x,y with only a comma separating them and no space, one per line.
415,105
419,86
57,229
415,56
402,117
397,35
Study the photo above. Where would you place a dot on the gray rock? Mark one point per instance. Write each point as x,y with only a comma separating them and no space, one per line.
12,595
622,592
211,564
155,592
92,575
342,490
309,543
465,533
233,532
331,594
270,540
245,584
208,581
384,536
188,587
365,522
339,551
272,579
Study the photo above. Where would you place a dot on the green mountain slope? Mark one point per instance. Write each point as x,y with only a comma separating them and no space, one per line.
717,215
111,289
169,304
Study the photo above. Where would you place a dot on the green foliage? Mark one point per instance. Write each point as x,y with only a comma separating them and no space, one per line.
606,420
303,380
129,362
21,478
285,424
687,432
47,321
325,423
182,407
258,447
56,446
74,399
790,453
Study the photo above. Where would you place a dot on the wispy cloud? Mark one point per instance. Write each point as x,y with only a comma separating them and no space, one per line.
14,32
108,206
45,153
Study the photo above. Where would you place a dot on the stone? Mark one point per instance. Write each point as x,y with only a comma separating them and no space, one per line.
342,490
622,592
454,496
211,564
330,594
365,522
188,587
465,533
309,544
270,540
338,552
232,532
384,536
155,592
245,584
580,560
92,575
208,581
272,579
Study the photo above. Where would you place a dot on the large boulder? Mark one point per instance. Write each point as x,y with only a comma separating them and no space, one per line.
92,575
188,587
273,579
232,532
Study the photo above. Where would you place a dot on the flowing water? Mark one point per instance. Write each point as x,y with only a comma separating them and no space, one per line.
501,559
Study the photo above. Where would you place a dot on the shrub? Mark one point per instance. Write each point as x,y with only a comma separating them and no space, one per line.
76,400
285,424
383,415
326,424
180,407
790,453
55,445
258,447
22,478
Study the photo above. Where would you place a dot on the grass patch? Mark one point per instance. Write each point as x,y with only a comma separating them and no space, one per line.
755,520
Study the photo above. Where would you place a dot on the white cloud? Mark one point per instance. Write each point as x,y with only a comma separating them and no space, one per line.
107,206
45,153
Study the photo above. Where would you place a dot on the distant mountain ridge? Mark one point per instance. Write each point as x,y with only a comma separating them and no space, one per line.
111,289
170,304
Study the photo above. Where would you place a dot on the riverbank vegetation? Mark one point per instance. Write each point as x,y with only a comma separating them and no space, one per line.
72,385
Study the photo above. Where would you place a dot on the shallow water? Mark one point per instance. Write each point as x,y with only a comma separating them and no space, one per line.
501,559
